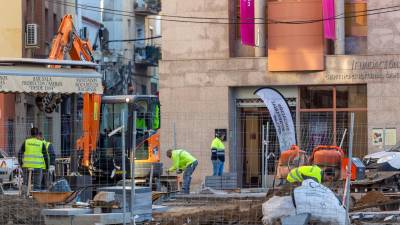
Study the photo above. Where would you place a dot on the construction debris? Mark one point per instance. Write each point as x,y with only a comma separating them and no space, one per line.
18,210
372,197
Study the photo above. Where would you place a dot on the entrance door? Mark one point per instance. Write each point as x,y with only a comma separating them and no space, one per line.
258,167
252,150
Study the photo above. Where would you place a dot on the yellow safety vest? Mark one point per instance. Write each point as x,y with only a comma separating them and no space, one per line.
181,159
33,156
304,172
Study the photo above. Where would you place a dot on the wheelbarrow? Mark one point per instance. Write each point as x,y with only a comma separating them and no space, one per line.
62,198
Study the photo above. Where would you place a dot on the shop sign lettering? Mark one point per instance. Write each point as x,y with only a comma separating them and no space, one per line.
86,84
363,75
3,80
38,84
375,64
367,70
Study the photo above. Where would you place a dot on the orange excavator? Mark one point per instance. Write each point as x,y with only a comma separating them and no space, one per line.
101,115
68,41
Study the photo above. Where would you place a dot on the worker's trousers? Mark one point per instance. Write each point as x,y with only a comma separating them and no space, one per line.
218,167
187,177
37,176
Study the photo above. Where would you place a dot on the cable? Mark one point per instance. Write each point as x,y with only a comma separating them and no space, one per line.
270,21
137,39
208,18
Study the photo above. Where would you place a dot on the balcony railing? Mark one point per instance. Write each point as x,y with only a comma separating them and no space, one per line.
147,7
147,55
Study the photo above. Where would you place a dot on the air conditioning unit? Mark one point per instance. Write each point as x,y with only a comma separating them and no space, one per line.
31,35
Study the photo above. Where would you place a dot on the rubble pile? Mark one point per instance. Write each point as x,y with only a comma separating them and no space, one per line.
372,197
18,210
236,213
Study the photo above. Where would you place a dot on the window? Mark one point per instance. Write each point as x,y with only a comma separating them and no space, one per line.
356,21
55,24
325,113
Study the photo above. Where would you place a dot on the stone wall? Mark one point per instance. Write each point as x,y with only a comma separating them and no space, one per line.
383,29
182,40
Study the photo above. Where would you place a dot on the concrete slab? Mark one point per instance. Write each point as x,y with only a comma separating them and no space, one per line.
66,212
92,219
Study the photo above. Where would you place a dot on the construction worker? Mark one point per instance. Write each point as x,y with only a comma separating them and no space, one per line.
217,155
183,161
33,156
299,174
51,160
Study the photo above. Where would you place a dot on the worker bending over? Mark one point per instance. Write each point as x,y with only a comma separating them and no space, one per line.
183,161
299,174
33,156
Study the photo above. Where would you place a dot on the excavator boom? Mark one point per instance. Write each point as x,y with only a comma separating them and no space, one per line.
68,41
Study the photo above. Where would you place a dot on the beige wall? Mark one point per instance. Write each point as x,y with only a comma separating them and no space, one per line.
383,29
195,41
11,46
11,28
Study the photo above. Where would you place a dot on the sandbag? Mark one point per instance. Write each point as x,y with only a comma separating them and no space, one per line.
318,200
276,208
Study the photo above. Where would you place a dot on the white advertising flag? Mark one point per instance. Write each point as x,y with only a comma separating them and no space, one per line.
280,114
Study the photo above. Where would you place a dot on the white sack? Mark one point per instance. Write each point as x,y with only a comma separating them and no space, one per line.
277,207
320,202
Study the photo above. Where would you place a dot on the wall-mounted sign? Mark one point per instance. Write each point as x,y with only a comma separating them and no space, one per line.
377,136
390,136
50,81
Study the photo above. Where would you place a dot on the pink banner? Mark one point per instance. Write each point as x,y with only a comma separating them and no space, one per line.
247,22
328,12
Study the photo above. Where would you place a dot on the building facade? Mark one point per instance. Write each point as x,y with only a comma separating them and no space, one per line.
208,78
19,110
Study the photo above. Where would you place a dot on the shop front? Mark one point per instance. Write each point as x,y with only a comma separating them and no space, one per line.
36,90
321,103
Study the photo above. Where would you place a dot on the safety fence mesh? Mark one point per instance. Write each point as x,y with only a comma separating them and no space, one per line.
252,152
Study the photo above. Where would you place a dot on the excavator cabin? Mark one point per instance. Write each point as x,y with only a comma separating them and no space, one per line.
141,133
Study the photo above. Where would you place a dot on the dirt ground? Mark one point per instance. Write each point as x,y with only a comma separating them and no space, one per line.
372,197
239,212
16,210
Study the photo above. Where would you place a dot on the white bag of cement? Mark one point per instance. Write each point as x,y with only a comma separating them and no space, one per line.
318,200
277,207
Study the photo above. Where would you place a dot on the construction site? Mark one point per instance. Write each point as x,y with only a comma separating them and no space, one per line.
287,121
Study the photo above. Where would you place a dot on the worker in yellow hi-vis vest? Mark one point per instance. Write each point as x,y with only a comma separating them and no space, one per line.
299,174
183,161
33,156
48,174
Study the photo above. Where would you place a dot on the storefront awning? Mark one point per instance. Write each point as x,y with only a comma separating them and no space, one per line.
37,78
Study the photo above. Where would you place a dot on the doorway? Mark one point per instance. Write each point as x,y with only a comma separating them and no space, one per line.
258,143
256,124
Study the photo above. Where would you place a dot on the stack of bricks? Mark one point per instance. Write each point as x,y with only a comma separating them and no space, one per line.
228,181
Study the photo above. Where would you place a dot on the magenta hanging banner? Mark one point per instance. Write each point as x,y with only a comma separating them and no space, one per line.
328,12
247,22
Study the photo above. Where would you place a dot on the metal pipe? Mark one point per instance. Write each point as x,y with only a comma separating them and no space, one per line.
123,167
267,154
263,156
344,135
132,161
340,29
349,163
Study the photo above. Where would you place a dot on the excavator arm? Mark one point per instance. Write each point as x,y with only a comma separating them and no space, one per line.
68,41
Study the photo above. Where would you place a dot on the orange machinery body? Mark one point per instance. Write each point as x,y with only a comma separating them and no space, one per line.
331,157
327,156
289,159
67,40
154,143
